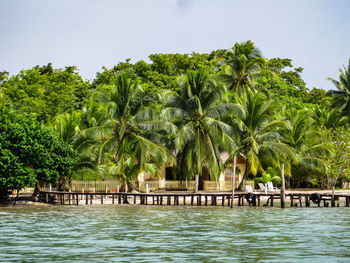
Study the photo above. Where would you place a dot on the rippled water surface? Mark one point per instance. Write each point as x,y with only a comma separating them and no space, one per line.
177,234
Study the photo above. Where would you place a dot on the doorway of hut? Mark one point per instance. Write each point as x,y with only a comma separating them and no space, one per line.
205,177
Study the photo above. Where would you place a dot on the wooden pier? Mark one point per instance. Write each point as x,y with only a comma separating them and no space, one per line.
192,199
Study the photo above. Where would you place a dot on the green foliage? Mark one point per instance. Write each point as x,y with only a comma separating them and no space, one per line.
259,133
134,115
30,153
290,77
242,66
270,175
339,162
45,91
342,94
129,133
195,113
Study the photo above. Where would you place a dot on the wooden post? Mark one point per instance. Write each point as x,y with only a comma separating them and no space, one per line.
168,199
333,199
271,196
213,200
283,190
233,180
307,201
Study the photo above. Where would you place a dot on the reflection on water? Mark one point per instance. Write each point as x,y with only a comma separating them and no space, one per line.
181,234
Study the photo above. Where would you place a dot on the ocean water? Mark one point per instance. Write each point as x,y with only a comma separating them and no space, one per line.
121,233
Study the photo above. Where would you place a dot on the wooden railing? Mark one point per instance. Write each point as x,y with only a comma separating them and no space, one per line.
153,185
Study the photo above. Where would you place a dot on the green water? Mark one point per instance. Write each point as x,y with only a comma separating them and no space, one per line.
173,234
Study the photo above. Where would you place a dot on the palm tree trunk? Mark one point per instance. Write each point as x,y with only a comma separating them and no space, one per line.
241,184
126,186
196,185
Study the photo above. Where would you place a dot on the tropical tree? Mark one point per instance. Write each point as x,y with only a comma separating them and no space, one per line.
45,91
342,94
243,64
68,127
259,132
30,154
305,139
339,162
129,133
328,118
196,112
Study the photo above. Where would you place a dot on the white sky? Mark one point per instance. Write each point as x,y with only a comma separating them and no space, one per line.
95,33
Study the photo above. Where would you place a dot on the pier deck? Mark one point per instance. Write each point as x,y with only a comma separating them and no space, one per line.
200,199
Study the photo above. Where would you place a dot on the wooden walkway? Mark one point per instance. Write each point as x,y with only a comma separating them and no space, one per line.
202,199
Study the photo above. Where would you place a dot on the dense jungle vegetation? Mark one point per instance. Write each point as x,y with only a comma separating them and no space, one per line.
179,109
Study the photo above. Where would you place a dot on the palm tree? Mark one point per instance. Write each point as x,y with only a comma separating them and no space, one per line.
260,133
243,64
342,94
68,127
328,118
128,135
305,139
196,112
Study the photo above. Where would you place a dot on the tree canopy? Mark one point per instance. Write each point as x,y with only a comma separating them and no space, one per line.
30,153
183,109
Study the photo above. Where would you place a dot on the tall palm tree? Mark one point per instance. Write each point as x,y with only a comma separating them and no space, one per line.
305,139
243,64
196,112
342,94
260,133
129,132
